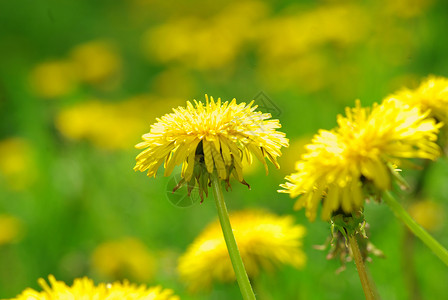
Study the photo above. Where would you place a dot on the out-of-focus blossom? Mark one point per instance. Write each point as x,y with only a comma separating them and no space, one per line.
209,43
84,288
17,167
428,213
10,229
297,33
54,79
294,47
265,241
111,125
405,8
125,258
96,61
174,82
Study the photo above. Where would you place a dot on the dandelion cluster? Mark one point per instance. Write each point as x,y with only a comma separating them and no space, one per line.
360,157
265,241
208,137
84,288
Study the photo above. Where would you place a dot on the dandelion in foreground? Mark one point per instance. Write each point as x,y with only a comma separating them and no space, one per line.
84,288
360,157
265,241
210,136
211,140
431,94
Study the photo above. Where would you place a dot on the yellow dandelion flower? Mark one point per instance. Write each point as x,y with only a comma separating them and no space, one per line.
204,137
431,94
265,240
359,156
127,257
84,288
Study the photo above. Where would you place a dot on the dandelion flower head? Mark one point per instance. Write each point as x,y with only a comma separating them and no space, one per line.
432,93
265,240
359,157
210,136
84,288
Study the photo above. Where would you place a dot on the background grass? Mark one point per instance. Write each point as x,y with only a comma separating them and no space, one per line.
72,192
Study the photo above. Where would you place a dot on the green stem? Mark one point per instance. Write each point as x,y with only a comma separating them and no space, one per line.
421,233
408,265
367,285
232,247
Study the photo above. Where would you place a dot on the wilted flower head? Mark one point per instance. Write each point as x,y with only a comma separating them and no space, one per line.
431,94
210,136
265,240
359,158
84,288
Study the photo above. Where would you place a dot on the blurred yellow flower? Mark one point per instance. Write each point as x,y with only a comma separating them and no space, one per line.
405,8
293,34
205,44
96,61
10,229
265,241
294,46
126,119
163,83
210,136
84,288
54,79
17,168
431,94
126,258
427,213
360,156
